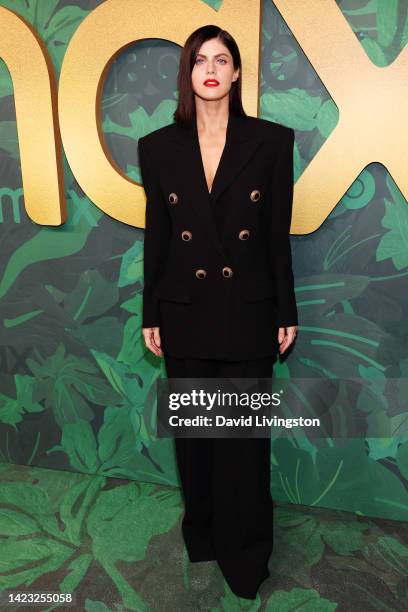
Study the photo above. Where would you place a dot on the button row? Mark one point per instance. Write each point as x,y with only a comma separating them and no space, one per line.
254,196
226,272
186,235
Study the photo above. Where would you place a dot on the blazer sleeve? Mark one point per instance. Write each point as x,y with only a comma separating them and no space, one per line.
280,216
156,235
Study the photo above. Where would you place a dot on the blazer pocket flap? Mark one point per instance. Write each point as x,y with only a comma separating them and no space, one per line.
173,292
260,290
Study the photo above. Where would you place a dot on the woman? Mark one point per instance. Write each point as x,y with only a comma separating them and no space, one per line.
218,295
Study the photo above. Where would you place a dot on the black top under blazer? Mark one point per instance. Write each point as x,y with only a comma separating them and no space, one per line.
218,277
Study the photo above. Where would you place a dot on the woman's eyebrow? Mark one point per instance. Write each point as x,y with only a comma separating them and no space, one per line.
216,55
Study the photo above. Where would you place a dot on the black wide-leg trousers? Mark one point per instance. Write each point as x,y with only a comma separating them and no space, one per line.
226,487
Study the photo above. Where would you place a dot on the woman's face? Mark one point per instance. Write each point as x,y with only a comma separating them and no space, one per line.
213,64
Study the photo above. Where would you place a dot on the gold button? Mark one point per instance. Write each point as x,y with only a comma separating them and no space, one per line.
173,198
244,234
201,273
255,195
186,235
227,271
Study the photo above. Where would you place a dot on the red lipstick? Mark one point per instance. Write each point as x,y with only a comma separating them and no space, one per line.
211,83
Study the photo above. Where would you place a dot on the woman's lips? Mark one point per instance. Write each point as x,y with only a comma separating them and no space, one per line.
211,83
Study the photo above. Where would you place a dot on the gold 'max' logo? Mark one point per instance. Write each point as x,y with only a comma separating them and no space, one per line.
371,100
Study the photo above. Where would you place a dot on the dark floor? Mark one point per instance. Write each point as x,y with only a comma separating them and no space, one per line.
117,545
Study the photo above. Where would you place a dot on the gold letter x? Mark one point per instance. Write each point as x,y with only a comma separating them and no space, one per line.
372,102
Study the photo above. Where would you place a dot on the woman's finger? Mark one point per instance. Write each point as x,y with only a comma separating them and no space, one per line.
152,340
289,335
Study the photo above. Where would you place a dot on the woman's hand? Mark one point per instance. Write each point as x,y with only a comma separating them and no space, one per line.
152,340
286,336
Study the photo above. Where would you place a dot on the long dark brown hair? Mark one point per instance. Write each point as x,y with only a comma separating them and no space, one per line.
185,110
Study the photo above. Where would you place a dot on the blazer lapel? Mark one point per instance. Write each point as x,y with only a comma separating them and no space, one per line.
240,146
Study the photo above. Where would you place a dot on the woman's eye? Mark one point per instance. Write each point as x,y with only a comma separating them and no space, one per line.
200,59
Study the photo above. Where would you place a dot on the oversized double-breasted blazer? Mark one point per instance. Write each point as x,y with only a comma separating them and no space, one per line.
219,285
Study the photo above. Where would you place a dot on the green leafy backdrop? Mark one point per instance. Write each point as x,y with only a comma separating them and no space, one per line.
76,388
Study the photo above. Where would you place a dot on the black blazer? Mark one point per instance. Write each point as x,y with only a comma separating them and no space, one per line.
218,274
